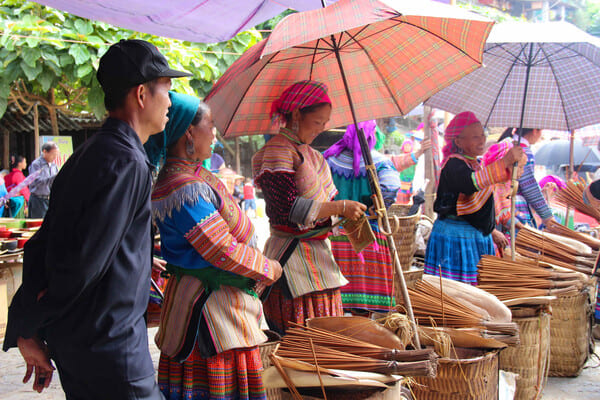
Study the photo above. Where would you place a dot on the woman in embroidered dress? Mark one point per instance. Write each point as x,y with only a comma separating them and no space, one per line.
463,230
370,273
529,197
298,190
205,234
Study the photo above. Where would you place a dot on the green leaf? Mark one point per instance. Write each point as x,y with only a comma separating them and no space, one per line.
84,70
45,80
32,42
96,100
83,27
3,104
31,56
31,72
95,40
80,53
65,60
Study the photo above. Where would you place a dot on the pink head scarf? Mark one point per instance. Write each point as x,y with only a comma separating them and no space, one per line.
560,184
455,128
497,151
299,95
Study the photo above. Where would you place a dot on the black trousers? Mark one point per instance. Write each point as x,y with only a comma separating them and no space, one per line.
38,206
78,386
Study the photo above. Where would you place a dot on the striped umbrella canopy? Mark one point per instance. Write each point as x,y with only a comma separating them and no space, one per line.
535,75
393,54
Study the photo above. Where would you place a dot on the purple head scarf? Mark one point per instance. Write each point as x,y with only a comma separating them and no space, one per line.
350,142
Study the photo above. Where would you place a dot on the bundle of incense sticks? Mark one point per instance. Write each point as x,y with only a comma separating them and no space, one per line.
433,307
572,196
534,244
558,229
335,351
508,279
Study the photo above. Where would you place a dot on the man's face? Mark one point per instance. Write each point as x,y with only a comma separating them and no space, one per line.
158,104
50,156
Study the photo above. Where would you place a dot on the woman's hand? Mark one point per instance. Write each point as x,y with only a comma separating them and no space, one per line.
425,145
499,239
351,209
515,154
35,354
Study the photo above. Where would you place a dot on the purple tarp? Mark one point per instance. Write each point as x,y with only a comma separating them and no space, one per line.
205,21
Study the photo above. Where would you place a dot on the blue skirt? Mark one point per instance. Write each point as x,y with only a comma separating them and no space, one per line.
455,247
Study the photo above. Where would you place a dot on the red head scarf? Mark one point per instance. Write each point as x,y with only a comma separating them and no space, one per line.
299,95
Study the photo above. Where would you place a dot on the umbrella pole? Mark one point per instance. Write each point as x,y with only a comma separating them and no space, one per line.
571,170
378,199
514,186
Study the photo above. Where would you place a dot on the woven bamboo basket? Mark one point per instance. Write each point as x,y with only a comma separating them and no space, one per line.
570,331
471,376
404,238
266,349
530,359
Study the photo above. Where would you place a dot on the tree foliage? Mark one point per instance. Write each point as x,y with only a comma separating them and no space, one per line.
55,55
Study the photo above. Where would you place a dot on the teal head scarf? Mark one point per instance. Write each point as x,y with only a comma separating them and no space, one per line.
181,113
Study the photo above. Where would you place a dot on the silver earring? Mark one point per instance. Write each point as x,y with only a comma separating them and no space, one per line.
189,147
295,126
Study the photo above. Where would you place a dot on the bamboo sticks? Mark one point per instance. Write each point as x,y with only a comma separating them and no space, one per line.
334,351
558,229
572,196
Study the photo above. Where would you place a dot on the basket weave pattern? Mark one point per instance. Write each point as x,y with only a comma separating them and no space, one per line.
461,379
266,349
404,238
530,358
569,334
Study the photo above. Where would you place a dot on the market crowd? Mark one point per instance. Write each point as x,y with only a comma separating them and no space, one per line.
86,277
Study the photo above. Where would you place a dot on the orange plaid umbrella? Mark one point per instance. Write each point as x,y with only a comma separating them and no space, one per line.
379,59
394,54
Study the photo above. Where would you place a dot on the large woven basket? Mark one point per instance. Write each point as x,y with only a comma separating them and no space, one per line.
266,349
570,331
530,358
404,238
472,376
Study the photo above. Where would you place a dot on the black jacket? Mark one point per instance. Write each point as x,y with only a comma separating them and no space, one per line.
93,256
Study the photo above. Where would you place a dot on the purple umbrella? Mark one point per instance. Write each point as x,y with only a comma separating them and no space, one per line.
204,21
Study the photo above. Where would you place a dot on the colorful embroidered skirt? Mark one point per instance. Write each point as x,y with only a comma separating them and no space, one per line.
597,312
456,247
279,309
370,275
233,374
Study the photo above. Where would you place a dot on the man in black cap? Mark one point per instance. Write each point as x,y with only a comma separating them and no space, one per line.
86,272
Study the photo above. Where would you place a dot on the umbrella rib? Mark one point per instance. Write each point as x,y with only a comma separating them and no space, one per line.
562,100
503,84
237,106
378,72
312,64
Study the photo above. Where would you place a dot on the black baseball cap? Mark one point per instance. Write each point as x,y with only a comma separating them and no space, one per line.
133,62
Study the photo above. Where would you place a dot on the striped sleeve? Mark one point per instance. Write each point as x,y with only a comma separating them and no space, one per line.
403,161
212,239
530,189
490,175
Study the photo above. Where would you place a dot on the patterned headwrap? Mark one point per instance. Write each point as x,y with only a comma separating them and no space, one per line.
299,95
181,113
497,151
350,141
455,128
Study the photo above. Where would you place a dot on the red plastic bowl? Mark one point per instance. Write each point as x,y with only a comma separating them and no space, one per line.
21,242
32,223
5,234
